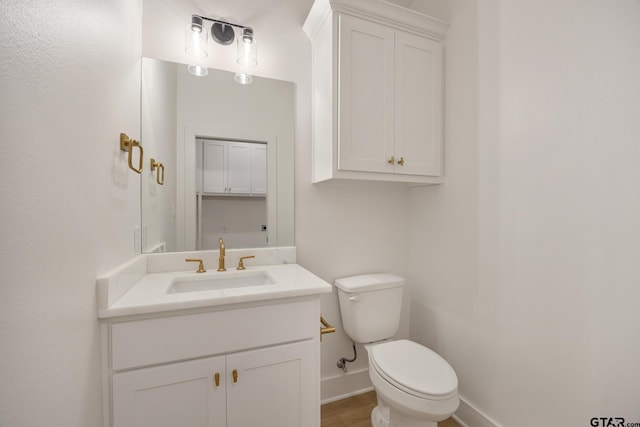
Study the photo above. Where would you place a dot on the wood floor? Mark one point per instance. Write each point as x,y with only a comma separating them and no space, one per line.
356,412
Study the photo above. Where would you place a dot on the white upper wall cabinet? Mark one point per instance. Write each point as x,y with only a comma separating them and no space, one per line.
377,92
233,168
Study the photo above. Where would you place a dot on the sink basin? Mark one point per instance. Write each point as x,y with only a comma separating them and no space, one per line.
217,281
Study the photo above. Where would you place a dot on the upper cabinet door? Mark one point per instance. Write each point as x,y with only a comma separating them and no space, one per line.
259,169
214,174
418,90
366,95
239,168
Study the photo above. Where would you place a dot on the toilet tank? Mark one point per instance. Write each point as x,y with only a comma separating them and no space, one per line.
370,305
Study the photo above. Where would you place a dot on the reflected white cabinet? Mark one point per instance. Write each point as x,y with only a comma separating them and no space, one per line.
377,92
256,366
214,169
233,168
259,169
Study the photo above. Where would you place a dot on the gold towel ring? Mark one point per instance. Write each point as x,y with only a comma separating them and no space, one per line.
127,144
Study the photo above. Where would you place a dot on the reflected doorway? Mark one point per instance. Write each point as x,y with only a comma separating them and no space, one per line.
231,190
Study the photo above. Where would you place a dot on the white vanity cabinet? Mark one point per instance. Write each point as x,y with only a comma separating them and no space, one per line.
254,366
377,76
234,168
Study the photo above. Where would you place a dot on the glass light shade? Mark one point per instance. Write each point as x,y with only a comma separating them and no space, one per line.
198,70
195,40
247,49
243,79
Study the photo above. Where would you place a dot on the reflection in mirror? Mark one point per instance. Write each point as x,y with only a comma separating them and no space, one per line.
227,151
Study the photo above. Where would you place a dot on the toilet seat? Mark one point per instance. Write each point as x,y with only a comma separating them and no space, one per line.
414,369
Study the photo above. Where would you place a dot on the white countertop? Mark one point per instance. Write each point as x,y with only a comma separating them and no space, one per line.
149,294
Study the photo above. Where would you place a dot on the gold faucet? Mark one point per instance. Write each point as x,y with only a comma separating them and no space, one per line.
200,266
241,263
221,258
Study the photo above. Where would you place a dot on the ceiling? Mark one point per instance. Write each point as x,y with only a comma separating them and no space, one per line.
277,25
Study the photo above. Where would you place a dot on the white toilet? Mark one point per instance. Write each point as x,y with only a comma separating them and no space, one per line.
414,385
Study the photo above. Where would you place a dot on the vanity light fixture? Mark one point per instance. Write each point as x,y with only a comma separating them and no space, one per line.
222,33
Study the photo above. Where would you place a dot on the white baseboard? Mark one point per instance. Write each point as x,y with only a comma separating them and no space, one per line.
345,385
468,416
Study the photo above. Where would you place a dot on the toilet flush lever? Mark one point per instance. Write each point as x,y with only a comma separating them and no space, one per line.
353,298
327,328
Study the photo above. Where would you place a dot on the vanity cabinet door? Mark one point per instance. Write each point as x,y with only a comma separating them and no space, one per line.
177,394
274,387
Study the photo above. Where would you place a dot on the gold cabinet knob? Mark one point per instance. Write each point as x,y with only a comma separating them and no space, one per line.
216,379
401,161
235,375
392,160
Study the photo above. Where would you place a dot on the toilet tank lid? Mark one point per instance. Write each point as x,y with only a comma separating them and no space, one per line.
369,282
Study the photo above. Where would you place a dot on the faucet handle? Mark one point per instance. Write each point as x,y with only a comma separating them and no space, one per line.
200,266
241,263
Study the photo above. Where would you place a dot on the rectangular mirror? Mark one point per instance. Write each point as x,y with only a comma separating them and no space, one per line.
227,155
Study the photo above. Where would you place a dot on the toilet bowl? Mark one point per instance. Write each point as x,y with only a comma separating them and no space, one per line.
415,386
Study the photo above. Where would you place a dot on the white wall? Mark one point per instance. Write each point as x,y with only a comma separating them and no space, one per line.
344,230
69,84
238,220
530,286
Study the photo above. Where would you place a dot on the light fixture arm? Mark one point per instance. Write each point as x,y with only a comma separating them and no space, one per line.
217,21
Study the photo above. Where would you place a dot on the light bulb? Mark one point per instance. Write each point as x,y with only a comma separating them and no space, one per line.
195,39
247,48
